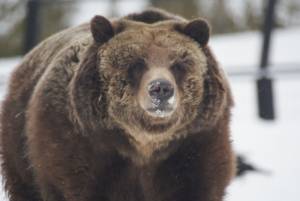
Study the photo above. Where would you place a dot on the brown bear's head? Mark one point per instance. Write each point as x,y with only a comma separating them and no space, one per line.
155,75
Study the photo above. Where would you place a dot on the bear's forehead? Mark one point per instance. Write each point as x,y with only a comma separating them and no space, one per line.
144,36
154,44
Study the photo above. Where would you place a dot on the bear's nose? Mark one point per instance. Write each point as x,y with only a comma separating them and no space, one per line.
161,89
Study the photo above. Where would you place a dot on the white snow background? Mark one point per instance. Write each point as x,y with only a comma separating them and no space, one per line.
273,146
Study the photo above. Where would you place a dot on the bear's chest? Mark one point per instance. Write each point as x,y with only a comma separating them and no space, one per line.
155,180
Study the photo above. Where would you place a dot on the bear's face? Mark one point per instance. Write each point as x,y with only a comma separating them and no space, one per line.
157,81
153,77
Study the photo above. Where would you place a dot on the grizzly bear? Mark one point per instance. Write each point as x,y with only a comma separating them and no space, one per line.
131,109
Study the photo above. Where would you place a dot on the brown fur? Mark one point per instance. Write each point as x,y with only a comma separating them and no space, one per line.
72,128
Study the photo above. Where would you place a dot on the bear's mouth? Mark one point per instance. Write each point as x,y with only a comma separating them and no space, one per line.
158,121
160,109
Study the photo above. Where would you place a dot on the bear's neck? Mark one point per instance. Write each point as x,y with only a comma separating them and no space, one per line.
151,147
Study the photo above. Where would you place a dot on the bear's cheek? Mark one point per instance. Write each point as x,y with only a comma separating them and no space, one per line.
193,88
122,97
191,93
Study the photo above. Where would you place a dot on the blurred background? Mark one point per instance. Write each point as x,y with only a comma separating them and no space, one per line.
257,42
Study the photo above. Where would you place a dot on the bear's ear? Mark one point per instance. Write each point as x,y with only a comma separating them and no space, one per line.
101,28
197,29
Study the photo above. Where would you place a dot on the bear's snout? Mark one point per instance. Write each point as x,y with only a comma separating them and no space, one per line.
162,97
161,90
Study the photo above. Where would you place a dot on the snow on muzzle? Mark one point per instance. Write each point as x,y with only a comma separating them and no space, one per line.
161,93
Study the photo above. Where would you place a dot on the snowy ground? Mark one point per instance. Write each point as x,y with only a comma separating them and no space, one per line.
274,145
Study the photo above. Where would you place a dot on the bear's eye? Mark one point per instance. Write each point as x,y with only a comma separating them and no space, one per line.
136,70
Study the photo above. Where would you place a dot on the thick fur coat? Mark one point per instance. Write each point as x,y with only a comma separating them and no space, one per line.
72,128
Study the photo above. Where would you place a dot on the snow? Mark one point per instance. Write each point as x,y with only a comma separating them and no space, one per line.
6,67
244,49
271,145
